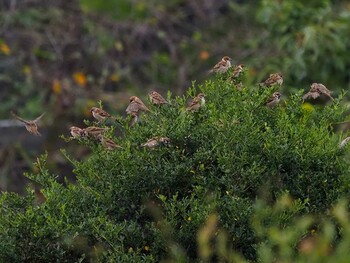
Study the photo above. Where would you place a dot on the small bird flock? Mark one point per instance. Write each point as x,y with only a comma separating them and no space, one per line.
136,107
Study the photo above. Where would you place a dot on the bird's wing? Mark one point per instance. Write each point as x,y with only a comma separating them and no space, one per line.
18,118
142,106
37,119
310,94
132,108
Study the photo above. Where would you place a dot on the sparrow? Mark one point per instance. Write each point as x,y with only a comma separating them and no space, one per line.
196,103
316,90
31,125
99,114
272,80
77,132
222,66
273,100
155,141
108,143
237,71
135,106
94,131
156,98
344,142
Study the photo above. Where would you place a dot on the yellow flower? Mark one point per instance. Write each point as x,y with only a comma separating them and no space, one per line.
118,45
5,49
27,70
189,218
87,107
307,107
56,86
114,77
80,79
147,248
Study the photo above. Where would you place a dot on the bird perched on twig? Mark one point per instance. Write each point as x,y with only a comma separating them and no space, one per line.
237,71
94,131
31,125
108,143
222,66
196,103
272,80
316,90
135,107
99,114
273,100
155,141
156,98
77,132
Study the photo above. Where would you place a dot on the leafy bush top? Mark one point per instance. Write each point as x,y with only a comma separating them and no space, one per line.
140,204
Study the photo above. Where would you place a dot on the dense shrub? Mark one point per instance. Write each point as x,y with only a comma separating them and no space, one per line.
223,164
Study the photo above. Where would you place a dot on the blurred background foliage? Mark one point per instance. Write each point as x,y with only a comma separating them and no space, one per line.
61,57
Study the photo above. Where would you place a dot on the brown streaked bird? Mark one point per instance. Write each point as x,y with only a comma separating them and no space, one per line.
272,80
156,98
237,71
222,66
99,114
77,132
136,105
316,90
94,131
109,144
31,125
273,100
155,141
196,103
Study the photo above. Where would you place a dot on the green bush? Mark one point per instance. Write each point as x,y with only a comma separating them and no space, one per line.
172,202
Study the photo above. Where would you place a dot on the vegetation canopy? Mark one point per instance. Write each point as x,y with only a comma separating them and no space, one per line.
234,175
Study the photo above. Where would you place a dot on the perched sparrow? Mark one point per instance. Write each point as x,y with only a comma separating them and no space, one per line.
94,131
196,103
99,114
316,90
156,98
237,71
135,106
31,125
155,141
273,100
77,132
273,79
108,143
222,66
344,142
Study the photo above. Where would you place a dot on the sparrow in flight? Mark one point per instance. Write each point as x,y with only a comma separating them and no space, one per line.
316,90
31,125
